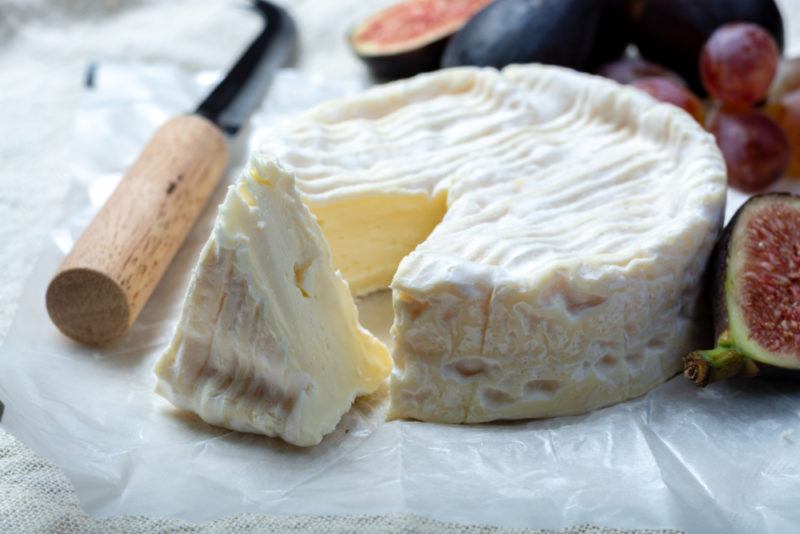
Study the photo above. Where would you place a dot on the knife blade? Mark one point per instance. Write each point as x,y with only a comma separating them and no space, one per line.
111,271
239,93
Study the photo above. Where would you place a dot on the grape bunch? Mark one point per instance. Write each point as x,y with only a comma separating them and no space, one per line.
738,66
755,101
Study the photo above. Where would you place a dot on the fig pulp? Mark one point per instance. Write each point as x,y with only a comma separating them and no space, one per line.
556,32
673,32
755,277
409,37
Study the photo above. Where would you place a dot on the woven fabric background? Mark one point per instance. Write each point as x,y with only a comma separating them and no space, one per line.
44,48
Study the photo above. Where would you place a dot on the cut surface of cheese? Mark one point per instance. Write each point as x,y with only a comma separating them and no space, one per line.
547,231
269,339
371,233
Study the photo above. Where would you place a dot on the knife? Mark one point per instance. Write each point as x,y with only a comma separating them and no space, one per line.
112,270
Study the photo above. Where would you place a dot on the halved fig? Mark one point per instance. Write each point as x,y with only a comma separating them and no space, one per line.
409,37
755,277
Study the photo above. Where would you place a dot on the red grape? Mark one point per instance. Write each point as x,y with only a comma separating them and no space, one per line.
628,69
787,79
738,63
755,148
672,92
786,113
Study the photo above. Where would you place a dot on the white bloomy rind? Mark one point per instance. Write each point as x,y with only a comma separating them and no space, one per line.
565,272
269,340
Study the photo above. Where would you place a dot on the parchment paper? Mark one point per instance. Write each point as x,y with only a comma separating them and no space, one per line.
724,458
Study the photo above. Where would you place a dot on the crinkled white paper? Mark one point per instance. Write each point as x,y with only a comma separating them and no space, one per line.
723,459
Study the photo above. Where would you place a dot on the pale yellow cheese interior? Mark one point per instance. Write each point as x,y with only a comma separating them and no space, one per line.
369,234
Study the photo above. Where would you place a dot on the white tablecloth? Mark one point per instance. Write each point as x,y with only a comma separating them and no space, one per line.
44,49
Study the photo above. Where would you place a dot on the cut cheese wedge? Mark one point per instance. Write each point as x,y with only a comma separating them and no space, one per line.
544,233
269,339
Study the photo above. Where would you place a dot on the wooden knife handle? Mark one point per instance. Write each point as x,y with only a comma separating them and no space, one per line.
113,268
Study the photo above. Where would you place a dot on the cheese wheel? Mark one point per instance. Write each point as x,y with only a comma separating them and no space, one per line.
544,233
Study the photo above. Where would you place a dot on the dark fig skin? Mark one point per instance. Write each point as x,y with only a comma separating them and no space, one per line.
404,64
614,34
718,268
673,32
556,32
695,368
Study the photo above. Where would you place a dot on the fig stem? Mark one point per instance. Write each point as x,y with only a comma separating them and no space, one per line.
723,361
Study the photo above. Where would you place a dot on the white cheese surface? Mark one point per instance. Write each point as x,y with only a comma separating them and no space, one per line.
565,272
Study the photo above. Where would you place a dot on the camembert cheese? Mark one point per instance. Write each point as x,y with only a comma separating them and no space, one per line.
543,232
269,340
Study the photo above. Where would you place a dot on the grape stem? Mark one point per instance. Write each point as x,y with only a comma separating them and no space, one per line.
723,361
